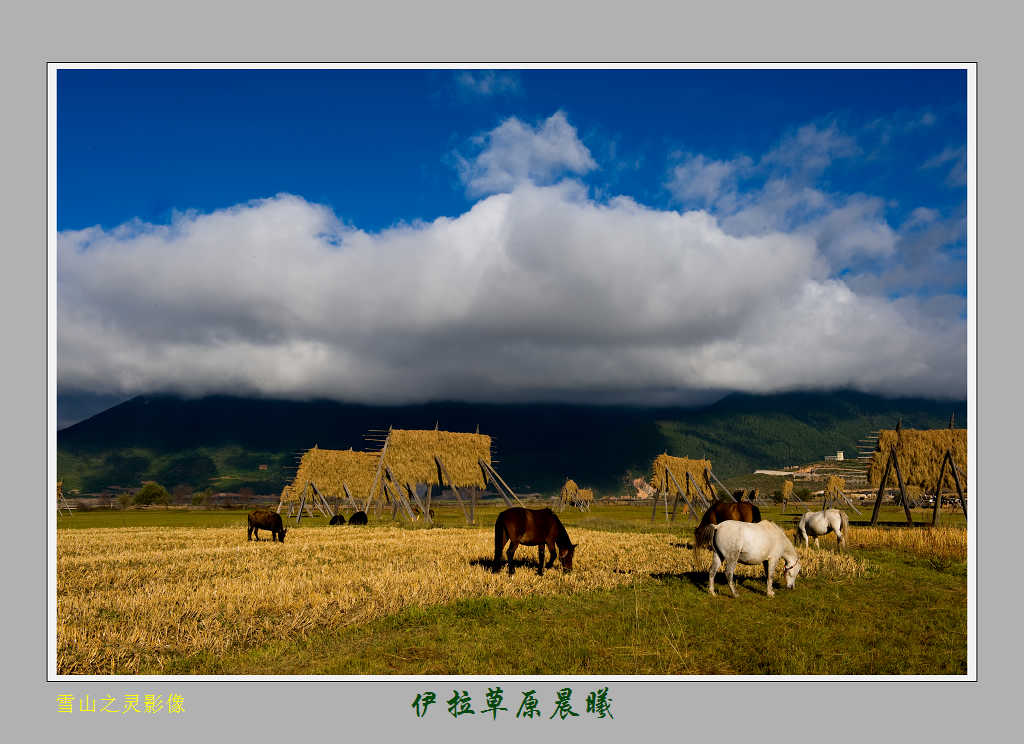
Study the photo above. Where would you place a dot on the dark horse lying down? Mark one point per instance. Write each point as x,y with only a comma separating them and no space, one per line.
266,520
721,511
538,527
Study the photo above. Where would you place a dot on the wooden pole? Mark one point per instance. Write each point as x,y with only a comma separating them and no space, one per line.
302,504
903,490
376,477
425,512
321,501
679,492
956,482
938,489
698,491
727,494
399,496
443,471
654,506
430,489
881,491
348,495
497,480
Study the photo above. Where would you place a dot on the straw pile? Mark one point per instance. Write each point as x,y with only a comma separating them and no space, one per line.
585,495
569,491
787,490
679,467
919,453
328,469
834,489
410,455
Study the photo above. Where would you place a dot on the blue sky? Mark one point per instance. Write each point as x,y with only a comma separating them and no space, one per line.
853,181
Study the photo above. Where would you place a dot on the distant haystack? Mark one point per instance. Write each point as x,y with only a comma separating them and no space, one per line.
679,467
410,455
329,469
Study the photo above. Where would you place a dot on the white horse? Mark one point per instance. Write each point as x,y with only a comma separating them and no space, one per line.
816,524
751,543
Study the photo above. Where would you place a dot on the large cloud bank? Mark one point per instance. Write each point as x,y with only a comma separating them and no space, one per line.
537,293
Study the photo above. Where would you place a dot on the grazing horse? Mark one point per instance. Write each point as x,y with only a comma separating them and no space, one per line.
720,511
358,518
816,524
338,519
261,519
540,527
763,542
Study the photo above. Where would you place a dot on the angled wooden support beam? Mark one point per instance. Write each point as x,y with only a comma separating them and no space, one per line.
376,476
680,491
956,482
938,489
903,489
705,505
425,512
321,501
881,491
445,476
707,472
348,496
500,485
396,491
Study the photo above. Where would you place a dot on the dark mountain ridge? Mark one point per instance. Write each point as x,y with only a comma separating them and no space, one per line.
536,445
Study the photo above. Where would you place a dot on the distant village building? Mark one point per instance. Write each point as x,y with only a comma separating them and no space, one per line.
264,467
837,457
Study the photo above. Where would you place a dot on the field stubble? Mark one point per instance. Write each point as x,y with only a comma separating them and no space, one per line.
129,599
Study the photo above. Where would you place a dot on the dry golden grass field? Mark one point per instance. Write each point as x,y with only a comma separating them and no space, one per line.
130,599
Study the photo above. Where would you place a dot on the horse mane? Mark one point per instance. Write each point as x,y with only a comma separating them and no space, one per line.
561,536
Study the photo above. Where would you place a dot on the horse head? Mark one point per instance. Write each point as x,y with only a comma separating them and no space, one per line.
790,573
565,557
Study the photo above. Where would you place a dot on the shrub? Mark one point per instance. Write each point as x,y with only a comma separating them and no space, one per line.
152,493
125,499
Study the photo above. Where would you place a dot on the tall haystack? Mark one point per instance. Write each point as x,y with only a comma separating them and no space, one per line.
919,453
679,467
569,491
787,491
410,455
834,488
329,469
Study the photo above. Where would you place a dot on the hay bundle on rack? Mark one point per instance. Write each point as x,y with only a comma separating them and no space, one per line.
569,491
919,453
410,455
787,491
679,467
328,469
834,489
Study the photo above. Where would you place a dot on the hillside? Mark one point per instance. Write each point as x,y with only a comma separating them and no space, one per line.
222,441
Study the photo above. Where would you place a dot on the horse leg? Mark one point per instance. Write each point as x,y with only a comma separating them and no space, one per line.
815,542
730,569
248,535
256,533
716,563
540,559
769,568
552,552
511,554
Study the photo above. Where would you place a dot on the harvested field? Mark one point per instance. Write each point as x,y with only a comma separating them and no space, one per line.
128,599
940,542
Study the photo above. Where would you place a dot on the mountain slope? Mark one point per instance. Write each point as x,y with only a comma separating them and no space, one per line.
537,446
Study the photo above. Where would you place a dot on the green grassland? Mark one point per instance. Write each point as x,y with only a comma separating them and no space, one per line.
907,615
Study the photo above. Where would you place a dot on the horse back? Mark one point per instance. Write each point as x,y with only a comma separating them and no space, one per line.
529,526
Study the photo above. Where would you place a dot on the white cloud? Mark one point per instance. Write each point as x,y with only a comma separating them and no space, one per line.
540,292
486,83
514,153
954,158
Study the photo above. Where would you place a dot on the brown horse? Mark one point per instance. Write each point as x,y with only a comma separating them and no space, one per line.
538,527
721,511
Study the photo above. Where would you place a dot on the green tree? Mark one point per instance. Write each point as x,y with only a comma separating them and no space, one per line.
152,493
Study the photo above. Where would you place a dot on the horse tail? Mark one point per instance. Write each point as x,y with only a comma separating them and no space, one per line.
499,539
